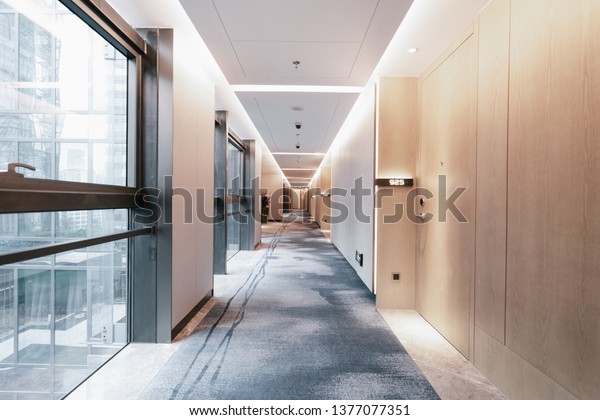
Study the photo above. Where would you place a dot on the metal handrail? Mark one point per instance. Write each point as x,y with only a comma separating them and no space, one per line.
46,250
20,195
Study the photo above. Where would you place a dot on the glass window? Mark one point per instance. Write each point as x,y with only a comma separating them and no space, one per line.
35,225
39,154
63,108
234,170
233,235
7,153
63,91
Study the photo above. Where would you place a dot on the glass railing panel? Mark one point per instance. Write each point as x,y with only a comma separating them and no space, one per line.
35,316
8,289
70,318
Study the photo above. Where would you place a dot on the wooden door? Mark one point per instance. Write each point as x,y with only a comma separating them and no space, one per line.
446,244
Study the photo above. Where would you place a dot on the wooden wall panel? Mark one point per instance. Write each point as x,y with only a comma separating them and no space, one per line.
397,154
397,127
553,287
515,377
395,254
492,149
446,250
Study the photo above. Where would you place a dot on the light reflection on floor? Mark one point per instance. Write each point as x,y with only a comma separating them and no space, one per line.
452,376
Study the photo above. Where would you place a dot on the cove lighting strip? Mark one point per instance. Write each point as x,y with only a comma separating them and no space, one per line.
297,88
297,154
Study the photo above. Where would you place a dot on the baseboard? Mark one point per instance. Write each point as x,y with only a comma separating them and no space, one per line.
514,376
181,325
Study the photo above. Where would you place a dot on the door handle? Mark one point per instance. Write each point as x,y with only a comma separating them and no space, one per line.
12,170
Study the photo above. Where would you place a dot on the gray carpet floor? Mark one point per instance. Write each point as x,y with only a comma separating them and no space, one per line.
300,325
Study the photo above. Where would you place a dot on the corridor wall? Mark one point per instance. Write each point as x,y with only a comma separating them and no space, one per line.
512,110
316,200
352,163
325,185
257,205
272,184
552,320
397,146
193,143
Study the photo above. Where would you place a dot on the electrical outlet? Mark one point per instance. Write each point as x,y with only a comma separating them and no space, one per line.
395,276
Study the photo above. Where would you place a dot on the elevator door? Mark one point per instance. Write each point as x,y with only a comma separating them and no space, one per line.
235,181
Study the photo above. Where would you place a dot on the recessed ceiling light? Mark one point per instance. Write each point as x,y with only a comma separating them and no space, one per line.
412,50
297,108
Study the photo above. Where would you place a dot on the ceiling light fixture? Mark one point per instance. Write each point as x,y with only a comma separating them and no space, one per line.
412,50
297,108
298,88
297,153
296,63
298,169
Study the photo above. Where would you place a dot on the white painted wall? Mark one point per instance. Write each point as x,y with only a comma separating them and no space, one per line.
193,167
315,197
325,201
352,157
313,202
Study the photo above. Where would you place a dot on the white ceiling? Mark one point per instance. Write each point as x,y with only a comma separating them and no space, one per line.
299,161
275,116
338,43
